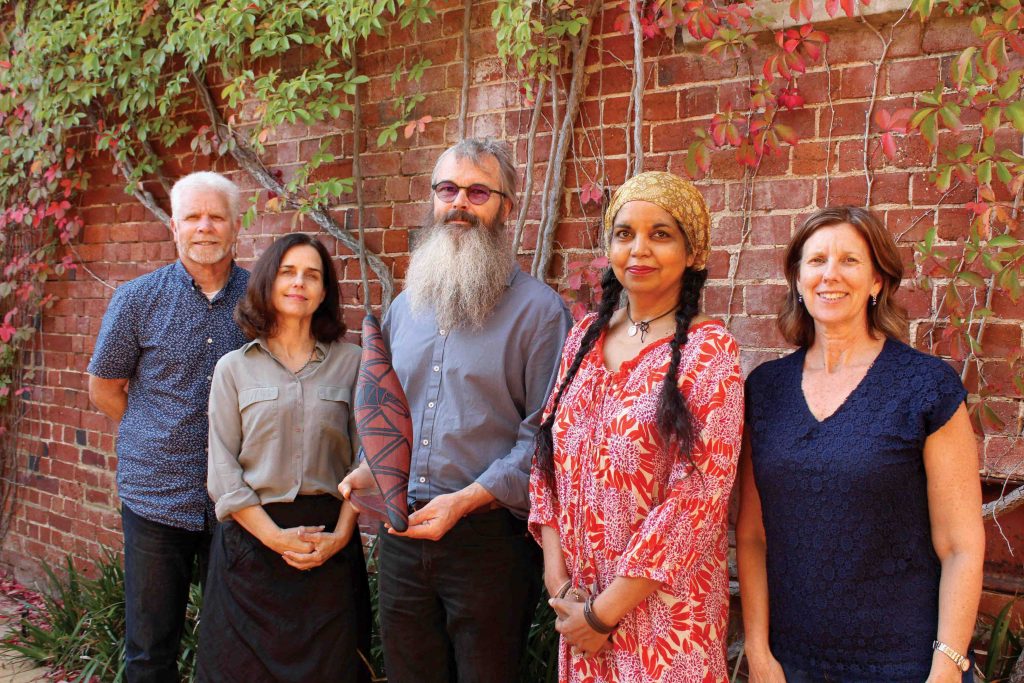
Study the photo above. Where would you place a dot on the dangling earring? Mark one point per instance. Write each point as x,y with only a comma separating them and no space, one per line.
874,299
800,298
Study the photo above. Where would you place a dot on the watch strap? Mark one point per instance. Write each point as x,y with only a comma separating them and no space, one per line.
962,663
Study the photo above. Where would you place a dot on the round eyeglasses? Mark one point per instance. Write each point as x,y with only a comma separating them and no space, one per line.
476,193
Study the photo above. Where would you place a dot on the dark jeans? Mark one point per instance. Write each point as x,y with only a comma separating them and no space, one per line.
158,561
459,609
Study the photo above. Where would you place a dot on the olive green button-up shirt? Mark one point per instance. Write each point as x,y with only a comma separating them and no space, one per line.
275,434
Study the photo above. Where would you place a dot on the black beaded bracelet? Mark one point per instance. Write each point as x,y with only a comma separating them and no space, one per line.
592,620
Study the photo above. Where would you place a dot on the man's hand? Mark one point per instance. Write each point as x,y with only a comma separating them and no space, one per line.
435,519
360,479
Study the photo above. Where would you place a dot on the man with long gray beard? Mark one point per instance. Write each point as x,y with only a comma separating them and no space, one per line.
475,343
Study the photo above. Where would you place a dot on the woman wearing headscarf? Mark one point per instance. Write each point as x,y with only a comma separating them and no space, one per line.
637,454
860,539
286,596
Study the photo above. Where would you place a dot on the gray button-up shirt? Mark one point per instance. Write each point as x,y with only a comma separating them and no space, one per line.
275,434
476,396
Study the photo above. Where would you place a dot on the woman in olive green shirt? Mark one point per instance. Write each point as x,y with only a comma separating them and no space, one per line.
286,597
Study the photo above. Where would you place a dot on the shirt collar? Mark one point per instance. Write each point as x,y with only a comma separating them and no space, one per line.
513,272
182,274
319,354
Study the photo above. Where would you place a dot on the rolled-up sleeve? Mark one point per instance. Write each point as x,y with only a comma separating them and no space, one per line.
508,477
224,481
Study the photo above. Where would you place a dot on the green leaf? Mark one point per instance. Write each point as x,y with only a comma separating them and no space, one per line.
971,278
1004,241
1015,113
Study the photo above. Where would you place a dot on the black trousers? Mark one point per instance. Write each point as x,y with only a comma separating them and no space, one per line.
266,622
158,561
459,609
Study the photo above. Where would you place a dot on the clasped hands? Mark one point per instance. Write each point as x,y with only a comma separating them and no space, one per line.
573,626
306,547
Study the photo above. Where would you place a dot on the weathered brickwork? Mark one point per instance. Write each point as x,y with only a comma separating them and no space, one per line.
67,501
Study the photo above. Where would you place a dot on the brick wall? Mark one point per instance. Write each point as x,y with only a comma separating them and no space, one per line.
67,501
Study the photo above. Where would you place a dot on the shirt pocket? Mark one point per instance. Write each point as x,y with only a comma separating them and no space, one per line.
333,408
261,413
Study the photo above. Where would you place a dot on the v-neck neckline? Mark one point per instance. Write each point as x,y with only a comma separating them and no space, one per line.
849,397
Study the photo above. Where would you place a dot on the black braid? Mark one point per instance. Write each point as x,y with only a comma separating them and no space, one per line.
675,422
611,291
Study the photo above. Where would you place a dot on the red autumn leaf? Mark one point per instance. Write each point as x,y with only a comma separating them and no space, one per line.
4,64
888,145
599,262
790,98
7,330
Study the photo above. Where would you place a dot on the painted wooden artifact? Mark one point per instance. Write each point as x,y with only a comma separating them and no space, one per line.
384,424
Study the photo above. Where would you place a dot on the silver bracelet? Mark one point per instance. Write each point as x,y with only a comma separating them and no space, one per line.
962,663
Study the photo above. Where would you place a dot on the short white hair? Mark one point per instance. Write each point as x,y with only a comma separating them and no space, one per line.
206,180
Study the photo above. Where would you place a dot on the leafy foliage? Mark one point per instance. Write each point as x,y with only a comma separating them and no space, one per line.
79,630
985,81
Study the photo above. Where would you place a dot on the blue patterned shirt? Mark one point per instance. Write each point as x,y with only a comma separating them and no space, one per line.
163,334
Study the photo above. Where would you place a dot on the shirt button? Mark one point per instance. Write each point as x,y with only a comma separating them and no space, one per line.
209,340
423,480
442,332
430,405
425,442
437,368
209,378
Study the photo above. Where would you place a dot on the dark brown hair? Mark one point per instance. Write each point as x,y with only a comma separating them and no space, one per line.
886,316
255,313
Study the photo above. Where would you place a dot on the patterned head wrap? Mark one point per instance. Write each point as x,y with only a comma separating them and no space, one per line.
676,196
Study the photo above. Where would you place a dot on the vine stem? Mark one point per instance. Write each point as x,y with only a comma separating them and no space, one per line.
357,181
549,169
464,101
250,162
869,175
546,234
531,144
637,95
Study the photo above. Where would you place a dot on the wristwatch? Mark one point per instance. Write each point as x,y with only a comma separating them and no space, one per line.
961,662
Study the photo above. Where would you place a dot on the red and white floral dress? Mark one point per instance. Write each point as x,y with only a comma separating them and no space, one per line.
626,506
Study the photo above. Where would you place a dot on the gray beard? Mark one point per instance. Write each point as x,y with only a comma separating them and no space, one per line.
458,273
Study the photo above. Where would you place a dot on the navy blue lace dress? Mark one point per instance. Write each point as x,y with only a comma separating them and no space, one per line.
853,579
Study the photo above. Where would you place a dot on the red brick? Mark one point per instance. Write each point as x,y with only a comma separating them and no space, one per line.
698,101
770,230
849,119
942,34
782,194
915,75
764,299
812,158
858,81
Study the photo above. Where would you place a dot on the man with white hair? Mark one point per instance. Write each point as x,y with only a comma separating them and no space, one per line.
150,373
475,343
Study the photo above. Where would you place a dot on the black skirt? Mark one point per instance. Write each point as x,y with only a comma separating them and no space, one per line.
264,621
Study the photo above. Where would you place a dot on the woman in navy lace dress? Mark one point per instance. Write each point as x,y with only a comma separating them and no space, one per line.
860,537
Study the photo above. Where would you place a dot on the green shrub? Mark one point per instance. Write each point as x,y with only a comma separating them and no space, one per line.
80,630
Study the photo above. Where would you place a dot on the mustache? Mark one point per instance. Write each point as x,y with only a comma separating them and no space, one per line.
458,215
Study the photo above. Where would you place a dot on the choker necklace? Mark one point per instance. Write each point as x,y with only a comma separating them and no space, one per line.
642,326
